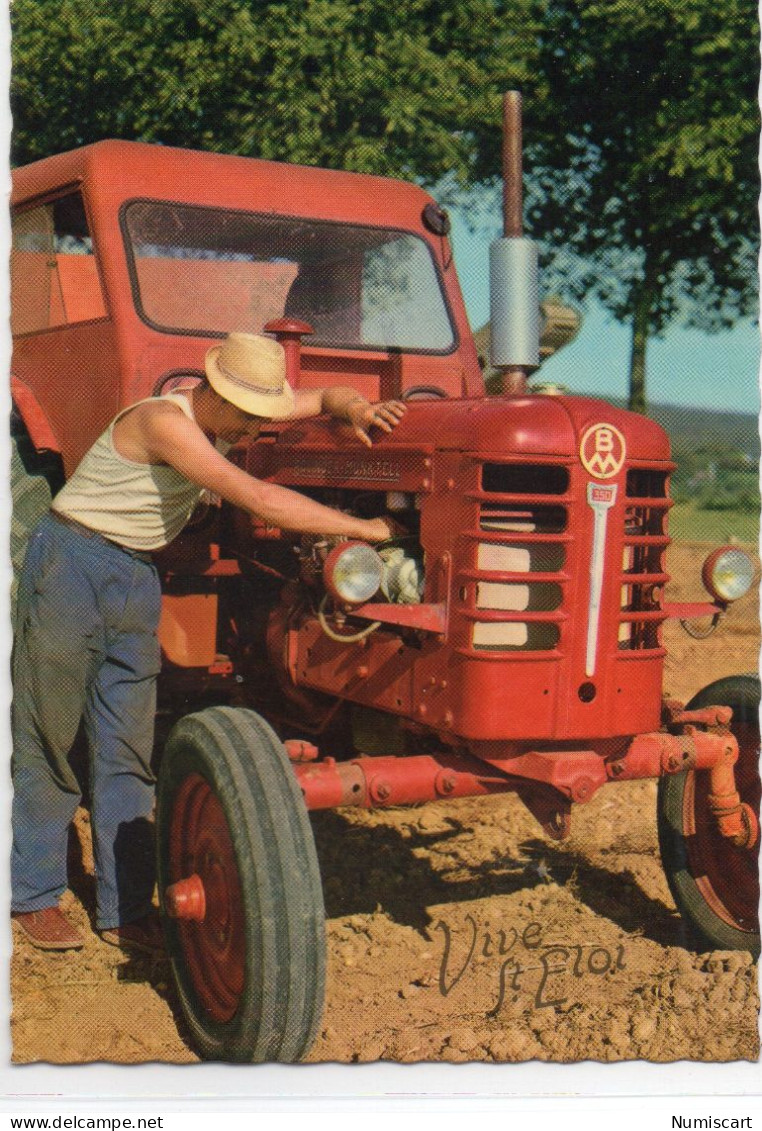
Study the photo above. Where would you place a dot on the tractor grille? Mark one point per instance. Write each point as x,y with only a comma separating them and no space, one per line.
514,596
643,575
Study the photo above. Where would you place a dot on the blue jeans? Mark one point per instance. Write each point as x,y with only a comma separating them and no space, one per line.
86,650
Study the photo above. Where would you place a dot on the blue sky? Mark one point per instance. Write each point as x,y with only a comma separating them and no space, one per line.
685,367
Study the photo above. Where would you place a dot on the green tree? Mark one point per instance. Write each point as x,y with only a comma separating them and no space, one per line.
641,118
650,183
404,89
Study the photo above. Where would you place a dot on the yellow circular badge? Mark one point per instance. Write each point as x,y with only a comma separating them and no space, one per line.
602,451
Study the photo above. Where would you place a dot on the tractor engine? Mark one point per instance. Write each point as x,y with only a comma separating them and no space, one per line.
520,602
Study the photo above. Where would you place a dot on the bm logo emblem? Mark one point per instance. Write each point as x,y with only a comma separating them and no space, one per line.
602,450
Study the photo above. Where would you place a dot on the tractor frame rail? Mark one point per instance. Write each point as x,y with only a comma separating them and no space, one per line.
567,775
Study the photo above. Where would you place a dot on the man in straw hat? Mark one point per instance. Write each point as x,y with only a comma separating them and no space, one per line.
88,613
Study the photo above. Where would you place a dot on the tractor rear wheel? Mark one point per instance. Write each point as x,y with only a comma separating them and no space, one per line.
714,883
249,968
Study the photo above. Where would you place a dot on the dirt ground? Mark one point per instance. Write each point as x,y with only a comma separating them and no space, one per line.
407,890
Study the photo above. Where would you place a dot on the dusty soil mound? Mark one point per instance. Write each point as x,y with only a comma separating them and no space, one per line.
440,924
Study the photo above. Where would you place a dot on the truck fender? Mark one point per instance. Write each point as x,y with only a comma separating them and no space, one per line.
36,422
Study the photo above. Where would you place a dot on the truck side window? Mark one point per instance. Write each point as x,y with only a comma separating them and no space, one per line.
54,277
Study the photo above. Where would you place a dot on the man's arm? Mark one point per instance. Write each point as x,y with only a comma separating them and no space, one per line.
351,407
170,437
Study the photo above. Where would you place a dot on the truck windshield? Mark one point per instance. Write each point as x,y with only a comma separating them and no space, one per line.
208,270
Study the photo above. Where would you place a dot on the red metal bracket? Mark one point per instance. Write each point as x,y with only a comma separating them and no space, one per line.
425,618
676,715
299,750
689,610
656,755
37,424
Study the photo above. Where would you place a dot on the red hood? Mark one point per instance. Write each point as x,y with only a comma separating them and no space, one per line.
533,425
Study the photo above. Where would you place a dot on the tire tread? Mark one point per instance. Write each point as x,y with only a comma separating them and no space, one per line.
276,857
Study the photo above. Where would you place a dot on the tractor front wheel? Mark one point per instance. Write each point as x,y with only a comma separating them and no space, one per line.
240,889
714,883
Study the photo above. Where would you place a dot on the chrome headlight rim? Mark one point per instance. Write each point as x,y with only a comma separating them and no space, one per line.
728,574
353,572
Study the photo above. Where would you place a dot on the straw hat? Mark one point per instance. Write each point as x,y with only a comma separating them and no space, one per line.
249,371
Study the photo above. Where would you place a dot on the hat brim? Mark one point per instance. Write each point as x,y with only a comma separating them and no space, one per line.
270,406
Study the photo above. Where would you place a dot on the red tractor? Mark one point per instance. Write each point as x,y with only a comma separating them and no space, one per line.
509,640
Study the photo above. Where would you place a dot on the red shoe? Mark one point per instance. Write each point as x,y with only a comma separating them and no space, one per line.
49,929
143,934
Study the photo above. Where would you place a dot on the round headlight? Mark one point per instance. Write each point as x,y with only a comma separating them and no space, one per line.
353,572
728,573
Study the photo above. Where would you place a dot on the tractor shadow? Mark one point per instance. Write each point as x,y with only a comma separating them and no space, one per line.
365,869
614,896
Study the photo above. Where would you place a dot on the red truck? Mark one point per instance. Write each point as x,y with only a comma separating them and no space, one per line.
510,640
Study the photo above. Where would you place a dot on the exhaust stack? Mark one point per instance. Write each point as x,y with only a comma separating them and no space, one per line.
514,291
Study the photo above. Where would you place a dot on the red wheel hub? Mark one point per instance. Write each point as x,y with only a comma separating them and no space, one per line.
186,899
205,897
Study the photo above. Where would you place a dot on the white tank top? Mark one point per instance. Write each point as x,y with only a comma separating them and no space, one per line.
142,506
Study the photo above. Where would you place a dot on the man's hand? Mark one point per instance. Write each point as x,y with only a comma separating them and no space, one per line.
345,403
364,416
381,529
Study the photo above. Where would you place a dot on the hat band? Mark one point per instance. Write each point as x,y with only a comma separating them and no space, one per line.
247,384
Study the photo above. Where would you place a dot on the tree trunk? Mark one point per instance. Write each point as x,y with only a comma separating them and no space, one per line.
640,320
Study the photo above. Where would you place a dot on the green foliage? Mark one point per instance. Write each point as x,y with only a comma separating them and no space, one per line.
642,117
713,477
651,182
689,524
738,494
401,89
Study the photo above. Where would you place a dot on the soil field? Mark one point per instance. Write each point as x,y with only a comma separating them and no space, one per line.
411,893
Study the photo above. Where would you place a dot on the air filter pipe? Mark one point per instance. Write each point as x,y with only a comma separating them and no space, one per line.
514,303
514,291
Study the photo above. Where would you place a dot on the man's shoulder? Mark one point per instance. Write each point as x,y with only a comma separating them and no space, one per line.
151,430
157,408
